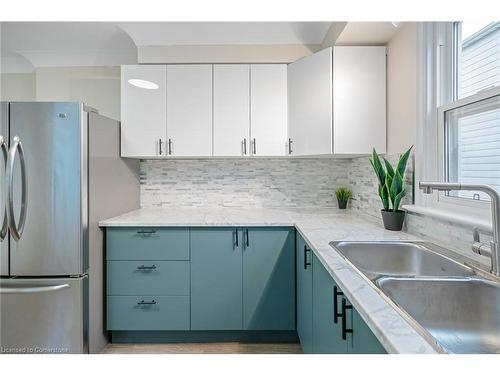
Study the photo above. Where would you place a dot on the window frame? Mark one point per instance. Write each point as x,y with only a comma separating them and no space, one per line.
443,198
437,81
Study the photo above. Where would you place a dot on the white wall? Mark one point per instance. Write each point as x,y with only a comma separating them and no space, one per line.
17,87
402,89
98,87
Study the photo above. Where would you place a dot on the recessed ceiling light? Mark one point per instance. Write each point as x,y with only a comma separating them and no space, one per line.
143,84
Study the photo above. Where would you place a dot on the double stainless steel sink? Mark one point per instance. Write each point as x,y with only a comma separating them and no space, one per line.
448,299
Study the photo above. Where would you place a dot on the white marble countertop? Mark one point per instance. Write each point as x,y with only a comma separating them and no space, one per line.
318,226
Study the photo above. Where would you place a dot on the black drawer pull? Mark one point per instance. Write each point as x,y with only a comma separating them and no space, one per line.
306,263
146,268
146,232
336,314
143,303
345,330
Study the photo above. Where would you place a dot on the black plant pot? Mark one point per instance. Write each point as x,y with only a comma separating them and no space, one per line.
342,204
393,220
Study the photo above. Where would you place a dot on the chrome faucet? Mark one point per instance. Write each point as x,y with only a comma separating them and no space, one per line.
479,248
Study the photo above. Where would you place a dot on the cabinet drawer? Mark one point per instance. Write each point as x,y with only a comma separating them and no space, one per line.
133,277
143,313
147,244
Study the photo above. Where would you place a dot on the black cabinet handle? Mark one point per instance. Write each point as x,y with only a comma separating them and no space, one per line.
306,263
146,232
146,268
290,146
336,314
142,303
345,330
247,240
236,241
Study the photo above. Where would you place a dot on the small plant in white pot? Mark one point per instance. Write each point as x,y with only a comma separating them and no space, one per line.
391,189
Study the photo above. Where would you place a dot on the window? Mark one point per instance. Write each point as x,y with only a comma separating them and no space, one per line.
477,57
471,123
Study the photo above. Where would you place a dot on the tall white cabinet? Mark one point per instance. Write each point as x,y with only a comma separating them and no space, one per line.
143,110
359,96
337,102
189,110
268,109
310,104
231,110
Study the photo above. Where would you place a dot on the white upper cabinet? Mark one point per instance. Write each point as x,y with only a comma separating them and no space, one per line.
268,109
310,104
359,81
143,110
189,110
231,110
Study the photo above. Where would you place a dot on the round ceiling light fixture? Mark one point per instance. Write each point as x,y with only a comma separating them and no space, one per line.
143,84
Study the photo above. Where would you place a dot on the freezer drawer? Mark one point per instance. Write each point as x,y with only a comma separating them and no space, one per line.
43,315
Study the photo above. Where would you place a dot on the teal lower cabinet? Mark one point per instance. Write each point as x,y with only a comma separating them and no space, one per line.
337,326
269,279
216,279
147,313
242,279
327,330
304,294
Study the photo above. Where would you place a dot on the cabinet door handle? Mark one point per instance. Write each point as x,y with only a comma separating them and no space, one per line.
144,303
306,263
244,146
345,330
236,241
146,232
336,314
170,146
254,147
290,146
159,146
146,268
247,240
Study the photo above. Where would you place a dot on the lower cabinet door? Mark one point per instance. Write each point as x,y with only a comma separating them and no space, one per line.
304,295
148,313
268,279
362,340
216,279
327,334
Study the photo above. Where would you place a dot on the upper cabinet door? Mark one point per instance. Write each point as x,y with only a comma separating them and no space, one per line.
359,99
143,110
310,104
189,110
231,110
268,118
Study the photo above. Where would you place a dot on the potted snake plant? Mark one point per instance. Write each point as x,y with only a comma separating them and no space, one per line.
391,189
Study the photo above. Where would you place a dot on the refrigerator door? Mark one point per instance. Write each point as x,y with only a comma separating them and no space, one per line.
4,236
43,315
54,143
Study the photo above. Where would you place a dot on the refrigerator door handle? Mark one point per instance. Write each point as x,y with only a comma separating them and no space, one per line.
16,230
37,289
4,228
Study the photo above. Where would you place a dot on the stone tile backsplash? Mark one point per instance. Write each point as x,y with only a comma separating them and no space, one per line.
285,183
242,182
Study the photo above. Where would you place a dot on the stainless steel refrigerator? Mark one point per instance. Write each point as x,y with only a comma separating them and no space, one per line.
61,173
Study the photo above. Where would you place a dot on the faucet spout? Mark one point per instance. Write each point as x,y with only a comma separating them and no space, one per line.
428,187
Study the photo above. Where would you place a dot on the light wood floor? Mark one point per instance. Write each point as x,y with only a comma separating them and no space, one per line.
204,348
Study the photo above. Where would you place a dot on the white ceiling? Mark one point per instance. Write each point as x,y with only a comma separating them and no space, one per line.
223,33
65,44
368,33
28,45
